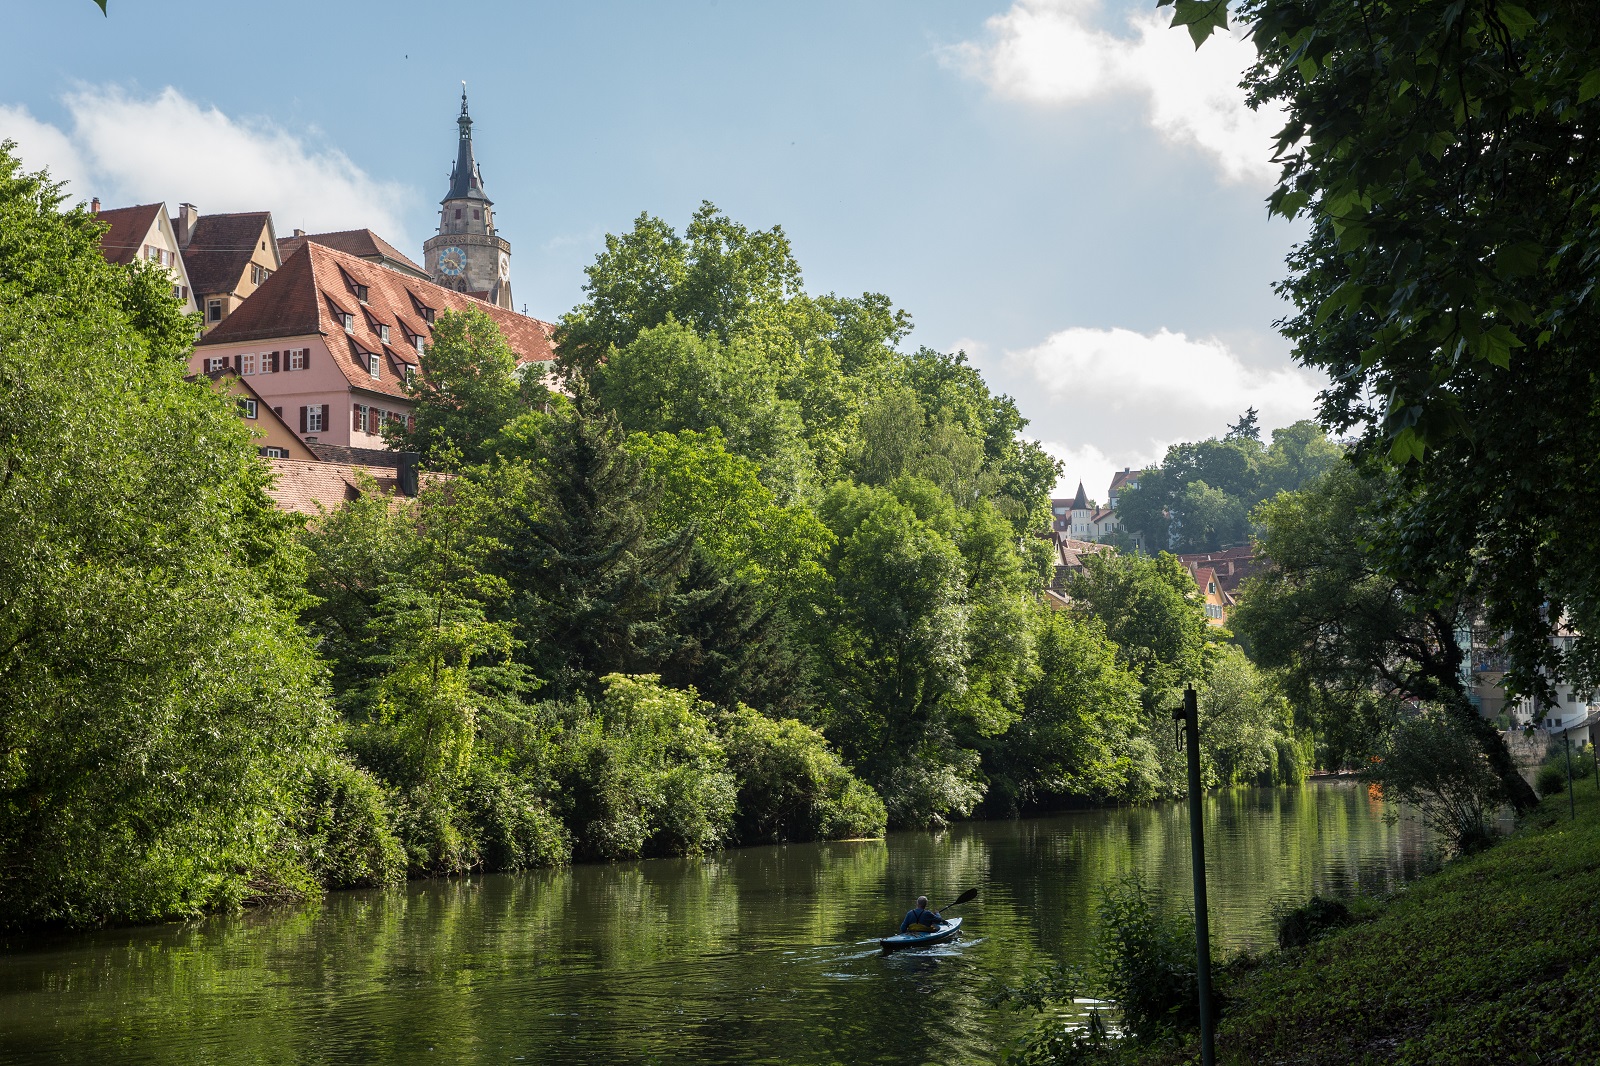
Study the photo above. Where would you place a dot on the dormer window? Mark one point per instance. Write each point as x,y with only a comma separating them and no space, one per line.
383,333
361,293
374,364
348,321
420,343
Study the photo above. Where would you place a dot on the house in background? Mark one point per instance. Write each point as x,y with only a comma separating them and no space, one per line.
1125,478
330,340
1081,519
145,232
274,438
361,243
228,257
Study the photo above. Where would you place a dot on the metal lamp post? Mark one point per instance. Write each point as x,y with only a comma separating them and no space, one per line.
1189,715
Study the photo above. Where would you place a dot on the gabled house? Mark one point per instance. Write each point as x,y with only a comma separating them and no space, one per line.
1081,518
275,439
228,257
145,233
1217,600
330,339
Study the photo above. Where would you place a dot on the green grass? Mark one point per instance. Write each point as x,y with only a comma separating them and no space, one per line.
1494,959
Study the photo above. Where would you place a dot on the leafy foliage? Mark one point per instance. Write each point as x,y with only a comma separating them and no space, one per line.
1444,155
159,708
1200,497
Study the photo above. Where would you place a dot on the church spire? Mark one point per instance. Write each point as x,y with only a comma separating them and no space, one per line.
465,181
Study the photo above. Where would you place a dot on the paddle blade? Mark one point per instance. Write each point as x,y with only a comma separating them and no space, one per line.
966,897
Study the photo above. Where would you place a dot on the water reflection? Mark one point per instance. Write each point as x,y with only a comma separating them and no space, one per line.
765,955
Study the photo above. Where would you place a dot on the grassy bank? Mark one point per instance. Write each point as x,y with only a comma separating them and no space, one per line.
1495,959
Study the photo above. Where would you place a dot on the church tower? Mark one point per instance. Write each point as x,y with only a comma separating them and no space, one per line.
466,254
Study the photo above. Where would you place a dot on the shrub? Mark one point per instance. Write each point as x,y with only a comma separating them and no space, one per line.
642,773
1431,764
345,833
1551,779
932,785
791,785
1299,926
1145,961
512,827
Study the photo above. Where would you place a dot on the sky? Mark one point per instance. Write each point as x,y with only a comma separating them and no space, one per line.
1066,190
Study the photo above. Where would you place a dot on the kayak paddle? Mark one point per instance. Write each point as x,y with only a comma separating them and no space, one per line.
966,897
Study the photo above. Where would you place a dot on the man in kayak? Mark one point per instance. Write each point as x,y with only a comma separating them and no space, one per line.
920,919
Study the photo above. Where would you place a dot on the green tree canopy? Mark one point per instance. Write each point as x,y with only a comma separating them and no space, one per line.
159,708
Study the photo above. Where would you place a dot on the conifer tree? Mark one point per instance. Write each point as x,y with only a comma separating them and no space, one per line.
590,581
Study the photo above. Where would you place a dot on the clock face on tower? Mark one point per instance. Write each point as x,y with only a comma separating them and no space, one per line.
452,261
505,266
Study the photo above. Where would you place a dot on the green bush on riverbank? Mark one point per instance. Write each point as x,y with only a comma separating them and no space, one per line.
1494,959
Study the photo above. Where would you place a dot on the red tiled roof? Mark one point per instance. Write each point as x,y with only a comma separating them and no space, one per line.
129,225
219,251
358,242
1122,477
317,282
300,486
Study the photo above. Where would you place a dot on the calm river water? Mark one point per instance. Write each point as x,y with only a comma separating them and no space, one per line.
761,955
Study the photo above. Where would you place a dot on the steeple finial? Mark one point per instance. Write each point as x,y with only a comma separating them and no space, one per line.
463,98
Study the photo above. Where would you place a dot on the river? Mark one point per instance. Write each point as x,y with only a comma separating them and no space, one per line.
758,955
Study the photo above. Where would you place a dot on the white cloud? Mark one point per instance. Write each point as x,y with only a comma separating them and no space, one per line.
41,146
128,149
1048,52
1103,399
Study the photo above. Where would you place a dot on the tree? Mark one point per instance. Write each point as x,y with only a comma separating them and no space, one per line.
1443,155
160,711
1247,428
1354,640
1080,728
469,388
588,578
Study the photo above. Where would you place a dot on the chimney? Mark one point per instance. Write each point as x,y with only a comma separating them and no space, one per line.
299,233
94,205
188,215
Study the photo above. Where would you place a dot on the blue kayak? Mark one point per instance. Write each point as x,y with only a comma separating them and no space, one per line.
947,931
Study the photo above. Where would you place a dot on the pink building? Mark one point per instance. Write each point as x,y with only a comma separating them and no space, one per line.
329,339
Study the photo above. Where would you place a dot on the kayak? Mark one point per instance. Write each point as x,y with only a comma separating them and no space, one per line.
947,931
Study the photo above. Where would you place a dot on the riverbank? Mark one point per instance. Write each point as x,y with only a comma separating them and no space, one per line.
1494,959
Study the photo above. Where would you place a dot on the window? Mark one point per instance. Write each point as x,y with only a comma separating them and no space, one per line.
274,452
258,273
421,345
476,214
213,310
348,321
298,357
1572,697
248,407
1213,611
216,363
373,364
358,418
314,419
269,362
383,334
1211,587
361,293
411,371
247,364
458,212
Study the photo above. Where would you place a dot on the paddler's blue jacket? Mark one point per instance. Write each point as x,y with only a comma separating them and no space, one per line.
918,916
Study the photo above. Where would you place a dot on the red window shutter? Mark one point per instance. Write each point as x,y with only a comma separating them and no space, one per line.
411,423
225,361
325,416
303,419
275,362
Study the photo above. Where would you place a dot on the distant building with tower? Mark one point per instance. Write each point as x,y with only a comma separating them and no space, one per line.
467,255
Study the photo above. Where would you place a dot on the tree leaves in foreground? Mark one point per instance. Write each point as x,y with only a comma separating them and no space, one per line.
1445,155
160,710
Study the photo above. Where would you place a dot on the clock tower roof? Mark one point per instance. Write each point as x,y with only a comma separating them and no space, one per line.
466,183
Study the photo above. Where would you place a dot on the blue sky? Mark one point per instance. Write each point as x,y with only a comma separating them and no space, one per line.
1063,188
